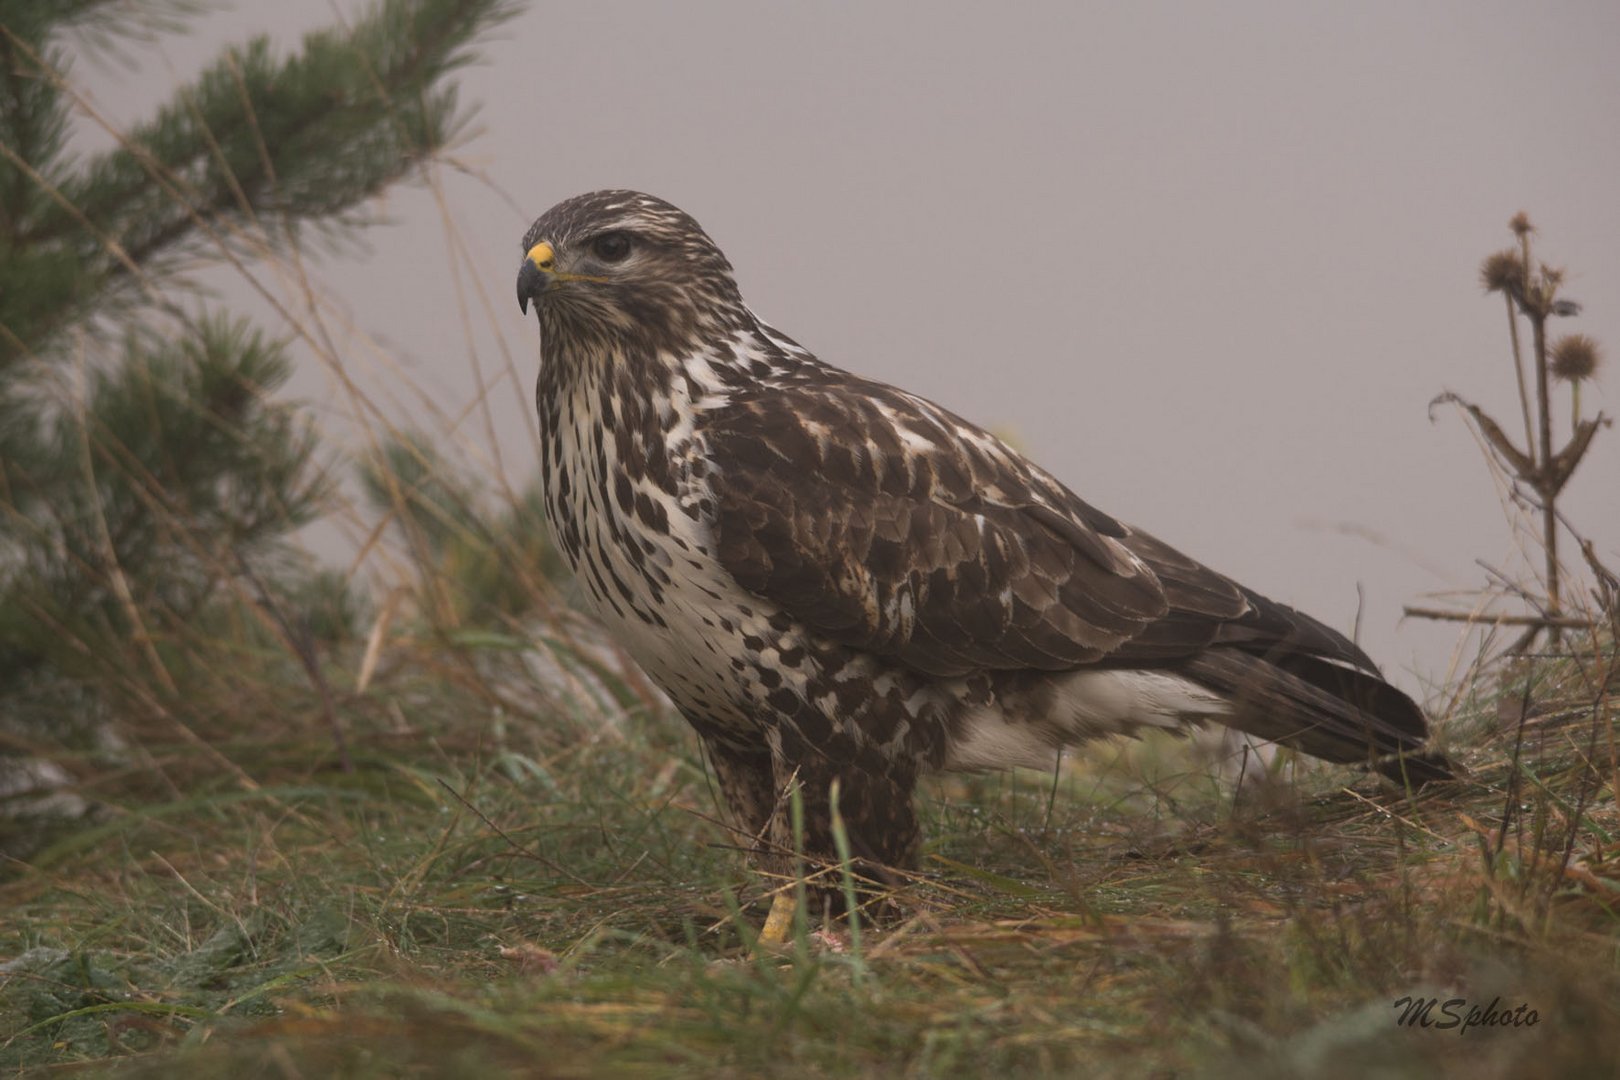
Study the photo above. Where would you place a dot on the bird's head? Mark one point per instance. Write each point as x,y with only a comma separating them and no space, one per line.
621,264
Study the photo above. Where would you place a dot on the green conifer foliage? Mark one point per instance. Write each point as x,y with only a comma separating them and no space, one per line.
148,479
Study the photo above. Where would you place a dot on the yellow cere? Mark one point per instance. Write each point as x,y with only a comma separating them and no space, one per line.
542,256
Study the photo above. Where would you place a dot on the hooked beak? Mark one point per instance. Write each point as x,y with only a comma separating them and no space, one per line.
539,272
538,269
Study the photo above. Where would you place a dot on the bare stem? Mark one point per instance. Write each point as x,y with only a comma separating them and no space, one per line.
1559,622
1537,297
1549,492
1518,372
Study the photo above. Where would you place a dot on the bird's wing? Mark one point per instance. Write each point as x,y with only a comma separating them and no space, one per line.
889,524
886,523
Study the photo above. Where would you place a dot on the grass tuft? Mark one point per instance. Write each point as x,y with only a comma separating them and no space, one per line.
491,893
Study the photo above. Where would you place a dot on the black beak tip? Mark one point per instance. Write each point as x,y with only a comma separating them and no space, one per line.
530,283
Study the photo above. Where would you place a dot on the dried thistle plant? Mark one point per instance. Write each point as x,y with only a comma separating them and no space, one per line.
1575,358
1530,293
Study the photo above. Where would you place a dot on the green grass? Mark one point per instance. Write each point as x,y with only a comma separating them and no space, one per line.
494,891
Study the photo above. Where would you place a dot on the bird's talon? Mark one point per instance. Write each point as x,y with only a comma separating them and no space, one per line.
778,926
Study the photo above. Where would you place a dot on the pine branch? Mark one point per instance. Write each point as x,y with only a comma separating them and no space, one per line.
349,114
148,498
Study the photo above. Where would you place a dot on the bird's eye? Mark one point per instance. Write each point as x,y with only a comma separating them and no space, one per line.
611,247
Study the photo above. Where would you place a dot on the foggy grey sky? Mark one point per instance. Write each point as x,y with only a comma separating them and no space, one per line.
1208,262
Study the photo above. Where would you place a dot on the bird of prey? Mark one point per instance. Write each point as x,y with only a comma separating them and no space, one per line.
841,583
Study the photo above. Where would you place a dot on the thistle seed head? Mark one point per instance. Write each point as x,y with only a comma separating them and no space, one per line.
1575,357
1503,272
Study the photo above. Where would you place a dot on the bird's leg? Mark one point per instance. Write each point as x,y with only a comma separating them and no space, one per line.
779,921
879,824
875,810
748,783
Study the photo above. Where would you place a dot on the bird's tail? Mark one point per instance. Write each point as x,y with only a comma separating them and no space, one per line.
1324,708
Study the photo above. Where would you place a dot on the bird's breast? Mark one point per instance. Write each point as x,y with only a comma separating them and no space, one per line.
630,507
623,507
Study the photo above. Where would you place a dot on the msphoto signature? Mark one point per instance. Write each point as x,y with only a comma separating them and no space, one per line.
1459,1014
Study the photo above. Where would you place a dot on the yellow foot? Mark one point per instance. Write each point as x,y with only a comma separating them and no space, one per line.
779,923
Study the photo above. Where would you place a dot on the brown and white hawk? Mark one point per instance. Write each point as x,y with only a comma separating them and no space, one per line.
832,578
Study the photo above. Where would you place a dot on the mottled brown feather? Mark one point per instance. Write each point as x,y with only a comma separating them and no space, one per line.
949,555
881,547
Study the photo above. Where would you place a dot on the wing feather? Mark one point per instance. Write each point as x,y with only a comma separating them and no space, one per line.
891,525
888,524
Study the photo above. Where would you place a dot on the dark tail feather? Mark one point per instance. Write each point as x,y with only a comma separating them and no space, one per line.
1415,770
1327,710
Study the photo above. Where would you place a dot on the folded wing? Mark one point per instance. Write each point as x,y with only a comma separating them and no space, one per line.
888,524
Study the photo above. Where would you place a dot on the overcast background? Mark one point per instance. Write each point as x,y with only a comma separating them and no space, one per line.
1208,263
